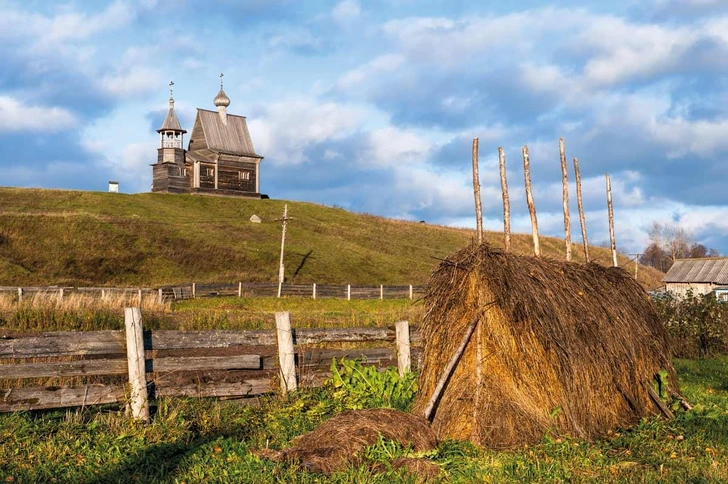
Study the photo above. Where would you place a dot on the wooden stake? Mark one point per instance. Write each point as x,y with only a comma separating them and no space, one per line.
582,220
529,200
286,355
283,245
404,359
565,183
449,369
476,193
612,242
506,201
135,358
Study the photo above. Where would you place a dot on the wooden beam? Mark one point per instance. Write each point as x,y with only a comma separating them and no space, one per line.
565,197
476,193
139,399
506,201
37,398
531,204
404,359
286,356
582,219
610,210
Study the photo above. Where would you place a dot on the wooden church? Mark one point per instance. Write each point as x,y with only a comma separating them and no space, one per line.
219,160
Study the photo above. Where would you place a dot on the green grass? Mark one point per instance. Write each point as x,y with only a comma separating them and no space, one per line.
206,441
62,237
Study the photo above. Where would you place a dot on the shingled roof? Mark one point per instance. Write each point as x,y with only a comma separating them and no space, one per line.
231,137
714,270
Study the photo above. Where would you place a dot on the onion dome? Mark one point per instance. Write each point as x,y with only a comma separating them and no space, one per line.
221,100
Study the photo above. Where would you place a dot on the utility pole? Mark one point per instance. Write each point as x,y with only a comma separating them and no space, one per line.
283,245
636,263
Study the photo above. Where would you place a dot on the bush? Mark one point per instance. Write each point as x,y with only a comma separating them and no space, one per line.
697,324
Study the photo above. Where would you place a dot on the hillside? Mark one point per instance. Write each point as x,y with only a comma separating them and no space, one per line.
55,237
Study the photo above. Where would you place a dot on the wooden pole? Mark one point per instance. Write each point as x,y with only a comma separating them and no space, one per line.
582,220
60,294
286,356
612,241
348,292
139,399
476,193
529,200
161,296
565,186
240,289
194,290
404,359
411,293
506,201
314,290
381,291
449,369
139,296
20,294
283,245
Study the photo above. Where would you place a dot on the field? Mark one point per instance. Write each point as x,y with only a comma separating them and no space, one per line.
207,441
58,237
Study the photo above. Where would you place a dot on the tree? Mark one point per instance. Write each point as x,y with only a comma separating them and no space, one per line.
670,242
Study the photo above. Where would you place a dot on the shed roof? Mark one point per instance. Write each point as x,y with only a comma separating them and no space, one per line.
232,138
713,270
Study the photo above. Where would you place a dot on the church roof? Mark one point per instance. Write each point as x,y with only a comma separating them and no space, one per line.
231,137
171,123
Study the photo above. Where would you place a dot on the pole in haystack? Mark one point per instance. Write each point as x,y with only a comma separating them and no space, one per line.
582,220
612,242
529,200
476,193
281,271
506,201
565,184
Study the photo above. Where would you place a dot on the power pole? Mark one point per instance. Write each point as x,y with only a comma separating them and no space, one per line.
283,245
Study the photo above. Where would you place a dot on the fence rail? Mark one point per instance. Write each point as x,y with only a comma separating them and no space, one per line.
239,289
212,363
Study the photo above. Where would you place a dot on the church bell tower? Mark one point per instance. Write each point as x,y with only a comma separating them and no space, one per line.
169,171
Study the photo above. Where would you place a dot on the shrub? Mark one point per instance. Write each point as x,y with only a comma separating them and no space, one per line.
698,324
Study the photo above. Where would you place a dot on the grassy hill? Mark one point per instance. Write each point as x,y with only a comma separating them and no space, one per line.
50,237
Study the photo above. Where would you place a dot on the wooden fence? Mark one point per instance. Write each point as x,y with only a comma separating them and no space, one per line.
238,289
89,368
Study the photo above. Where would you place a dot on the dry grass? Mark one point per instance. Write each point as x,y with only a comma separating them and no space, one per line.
80,302
560,347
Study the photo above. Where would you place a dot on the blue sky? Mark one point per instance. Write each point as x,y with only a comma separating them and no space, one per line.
373,105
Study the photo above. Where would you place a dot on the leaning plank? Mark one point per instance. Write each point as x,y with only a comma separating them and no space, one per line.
194,363
63,369
16,399
63,343
215,389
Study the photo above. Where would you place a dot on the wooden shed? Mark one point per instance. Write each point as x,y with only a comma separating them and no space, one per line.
700,276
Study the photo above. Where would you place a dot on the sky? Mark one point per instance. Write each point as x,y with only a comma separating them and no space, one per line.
372,105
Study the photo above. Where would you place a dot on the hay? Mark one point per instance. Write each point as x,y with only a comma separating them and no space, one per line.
338,442
565,348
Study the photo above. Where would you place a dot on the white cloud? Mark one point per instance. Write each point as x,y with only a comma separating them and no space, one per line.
16,116
285,129
362,75
391,146
346,11
133,82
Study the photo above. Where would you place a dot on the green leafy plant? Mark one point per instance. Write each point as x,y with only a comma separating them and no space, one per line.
356,386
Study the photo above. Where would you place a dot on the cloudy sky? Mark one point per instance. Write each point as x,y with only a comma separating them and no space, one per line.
372,106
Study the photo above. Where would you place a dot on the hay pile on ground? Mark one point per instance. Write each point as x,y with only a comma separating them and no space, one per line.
562,347
338,442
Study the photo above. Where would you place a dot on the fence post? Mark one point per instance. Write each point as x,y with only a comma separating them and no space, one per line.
194,290
103,294
240,289
161,296
410,291
314,290
135,359
286,357
404,359
60,294
381,291
20,294
348,292
139,295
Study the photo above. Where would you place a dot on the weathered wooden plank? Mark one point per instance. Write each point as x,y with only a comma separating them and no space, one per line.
214,389
63,369
63,343
16,399
194,363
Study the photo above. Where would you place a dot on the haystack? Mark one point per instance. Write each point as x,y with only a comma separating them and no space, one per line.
560,347
338,442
